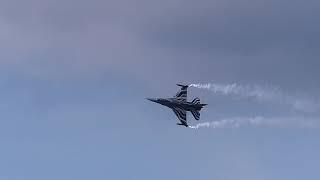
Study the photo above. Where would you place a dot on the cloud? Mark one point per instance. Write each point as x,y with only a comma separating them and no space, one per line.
241,27
145,38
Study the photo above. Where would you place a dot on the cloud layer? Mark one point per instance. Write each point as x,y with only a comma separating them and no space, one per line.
50,38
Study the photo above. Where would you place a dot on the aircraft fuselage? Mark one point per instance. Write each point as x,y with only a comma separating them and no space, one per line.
173,103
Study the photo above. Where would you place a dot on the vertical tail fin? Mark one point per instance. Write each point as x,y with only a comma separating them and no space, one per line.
196,101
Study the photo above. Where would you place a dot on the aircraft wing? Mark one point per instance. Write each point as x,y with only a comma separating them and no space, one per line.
181,114
182,94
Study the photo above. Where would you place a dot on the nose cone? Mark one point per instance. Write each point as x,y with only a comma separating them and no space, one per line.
152,99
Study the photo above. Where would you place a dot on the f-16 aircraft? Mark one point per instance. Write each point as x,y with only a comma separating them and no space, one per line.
180,106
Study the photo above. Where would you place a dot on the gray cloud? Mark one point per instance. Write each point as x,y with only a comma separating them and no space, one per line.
244,27
269,42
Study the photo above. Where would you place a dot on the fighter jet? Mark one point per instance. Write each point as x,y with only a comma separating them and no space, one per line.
180,106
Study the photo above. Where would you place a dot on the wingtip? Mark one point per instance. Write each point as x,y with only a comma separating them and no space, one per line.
183,85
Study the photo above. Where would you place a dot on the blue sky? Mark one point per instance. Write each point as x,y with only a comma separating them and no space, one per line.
75,74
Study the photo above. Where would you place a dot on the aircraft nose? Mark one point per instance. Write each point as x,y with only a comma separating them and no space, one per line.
152,99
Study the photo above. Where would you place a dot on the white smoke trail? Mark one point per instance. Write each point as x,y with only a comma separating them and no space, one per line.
260,93
280,122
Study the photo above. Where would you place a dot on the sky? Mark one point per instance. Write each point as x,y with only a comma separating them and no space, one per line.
74,76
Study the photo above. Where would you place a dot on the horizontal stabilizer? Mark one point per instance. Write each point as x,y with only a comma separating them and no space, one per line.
196,114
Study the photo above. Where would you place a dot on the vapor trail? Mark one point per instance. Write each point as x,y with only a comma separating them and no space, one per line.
267,93
278,122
